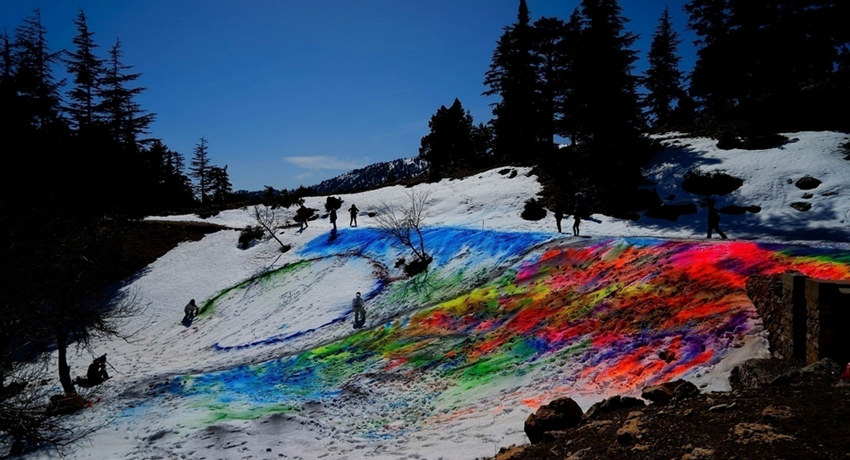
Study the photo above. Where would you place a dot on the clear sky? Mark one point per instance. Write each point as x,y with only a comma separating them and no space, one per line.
289,93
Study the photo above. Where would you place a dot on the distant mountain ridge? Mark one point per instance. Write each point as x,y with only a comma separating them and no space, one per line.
372,176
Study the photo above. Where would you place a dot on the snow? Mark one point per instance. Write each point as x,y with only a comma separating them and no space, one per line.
450,364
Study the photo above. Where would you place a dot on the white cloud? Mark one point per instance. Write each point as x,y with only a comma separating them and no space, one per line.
321,162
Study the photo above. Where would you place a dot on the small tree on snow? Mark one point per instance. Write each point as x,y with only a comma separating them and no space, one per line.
267,218
404,223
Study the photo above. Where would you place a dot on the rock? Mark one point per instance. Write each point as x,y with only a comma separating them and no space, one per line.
630,431
663,393
772,413
558,415
511,453
756,373
807,196
611,404
826,369
698,453
807,183
800,206
657,394
745,433
684,389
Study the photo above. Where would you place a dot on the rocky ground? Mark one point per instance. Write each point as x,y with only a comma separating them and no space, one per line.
774,411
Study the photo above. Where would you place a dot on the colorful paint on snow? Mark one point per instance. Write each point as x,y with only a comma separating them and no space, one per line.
603,317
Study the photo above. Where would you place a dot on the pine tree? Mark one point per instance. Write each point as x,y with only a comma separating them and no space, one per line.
200,170
451,142
87,71
553,42
513,77
663,78
768,66
220,187
124,117
603,99
34,77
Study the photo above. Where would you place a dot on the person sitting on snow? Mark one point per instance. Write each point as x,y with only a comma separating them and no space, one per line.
97,371
191,311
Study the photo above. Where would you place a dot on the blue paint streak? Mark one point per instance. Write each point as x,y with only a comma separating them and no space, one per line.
441,243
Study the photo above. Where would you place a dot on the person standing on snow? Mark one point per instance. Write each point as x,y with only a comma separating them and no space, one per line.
559,215
353,211
333,217
359,311
714,221
580,210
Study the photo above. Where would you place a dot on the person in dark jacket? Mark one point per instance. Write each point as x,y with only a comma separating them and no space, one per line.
190,312
359,311
97,371
559,215
301,217
333,217
353,211
714,220
579,212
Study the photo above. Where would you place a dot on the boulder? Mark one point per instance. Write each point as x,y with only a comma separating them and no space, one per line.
807,183
631,430
801,206
663,393
757,373
611,404
558,415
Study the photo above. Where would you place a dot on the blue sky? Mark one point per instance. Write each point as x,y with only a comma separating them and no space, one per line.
289,93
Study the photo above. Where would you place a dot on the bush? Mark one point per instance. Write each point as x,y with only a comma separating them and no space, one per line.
708,183
248,235
533,210
671,212
417,266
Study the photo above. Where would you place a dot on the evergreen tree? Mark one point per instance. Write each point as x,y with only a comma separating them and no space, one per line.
87,71
513,77
34,77
124,117
768,66
603,100
553,46
200,171
451,142
663,78
220,187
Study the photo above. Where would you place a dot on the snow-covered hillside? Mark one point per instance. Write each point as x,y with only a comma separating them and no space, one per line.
510,315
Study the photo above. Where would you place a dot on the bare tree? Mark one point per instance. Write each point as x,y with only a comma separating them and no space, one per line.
268,218
404,223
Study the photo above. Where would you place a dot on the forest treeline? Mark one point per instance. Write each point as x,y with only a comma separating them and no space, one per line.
761,68
79,156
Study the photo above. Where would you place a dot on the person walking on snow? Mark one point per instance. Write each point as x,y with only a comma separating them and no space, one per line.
714,221
301,217
333,217
353,211
359,311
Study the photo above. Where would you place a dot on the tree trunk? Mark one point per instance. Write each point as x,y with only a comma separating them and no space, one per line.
64,368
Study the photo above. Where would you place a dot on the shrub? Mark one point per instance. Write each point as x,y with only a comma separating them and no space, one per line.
248,235
533,210
708,183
